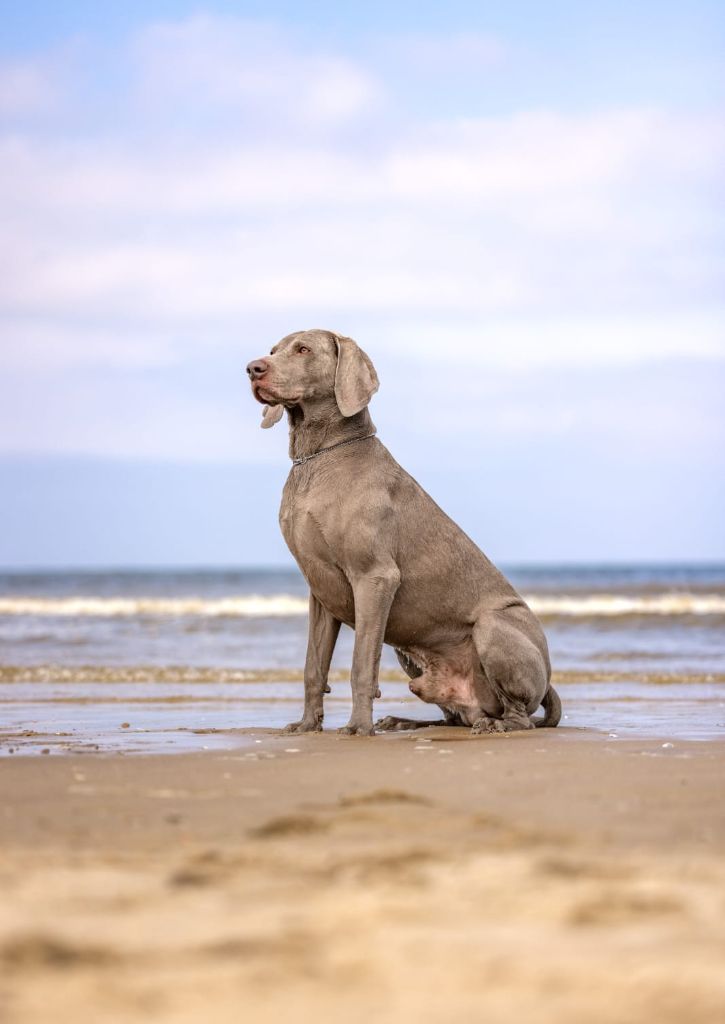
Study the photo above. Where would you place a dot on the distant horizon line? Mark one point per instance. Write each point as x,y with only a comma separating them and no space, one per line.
699,563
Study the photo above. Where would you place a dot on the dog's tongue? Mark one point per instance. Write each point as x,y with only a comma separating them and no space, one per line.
271,415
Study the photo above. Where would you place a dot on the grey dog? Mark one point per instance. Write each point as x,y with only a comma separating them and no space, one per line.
381,556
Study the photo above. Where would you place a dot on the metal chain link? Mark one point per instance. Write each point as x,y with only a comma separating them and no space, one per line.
350,440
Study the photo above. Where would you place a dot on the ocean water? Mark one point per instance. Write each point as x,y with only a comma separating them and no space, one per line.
170,660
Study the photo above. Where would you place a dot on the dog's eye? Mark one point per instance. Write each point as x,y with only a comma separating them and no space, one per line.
303,350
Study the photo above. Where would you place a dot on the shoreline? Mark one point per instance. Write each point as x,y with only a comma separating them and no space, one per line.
139,710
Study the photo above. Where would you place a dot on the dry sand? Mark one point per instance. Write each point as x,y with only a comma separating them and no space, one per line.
549,876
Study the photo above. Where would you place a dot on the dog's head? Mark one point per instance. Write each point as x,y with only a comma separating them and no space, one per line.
310,367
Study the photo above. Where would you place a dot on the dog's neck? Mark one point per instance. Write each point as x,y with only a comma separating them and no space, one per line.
320,425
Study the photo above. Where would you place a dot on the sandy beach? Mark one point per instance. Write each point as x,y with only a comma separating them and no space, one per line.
550,876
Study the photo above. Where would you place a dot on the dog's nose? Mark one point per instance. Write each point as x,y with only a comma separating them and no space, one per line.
257,369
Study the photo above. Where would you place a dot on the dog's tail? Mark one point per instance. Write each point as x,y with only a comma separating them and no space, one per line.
552,710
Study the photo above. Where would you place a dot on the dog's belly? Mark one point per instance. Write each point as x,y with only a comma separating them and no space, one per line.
454,681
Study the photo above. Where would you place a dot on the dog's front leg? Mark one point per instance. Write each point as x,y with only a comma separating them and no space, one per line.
374,594
321,639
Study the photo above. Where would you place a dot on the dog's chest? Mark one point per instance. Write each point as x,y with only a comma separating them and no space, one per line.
307,517
312,528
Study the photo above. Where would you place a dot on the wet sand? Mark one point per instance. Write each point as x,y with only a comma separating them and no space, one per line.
551,876
137,709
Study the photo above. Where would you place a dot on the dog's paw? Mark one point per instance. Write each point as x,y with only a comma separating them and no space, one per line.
486,724
306,725
392,724
357,729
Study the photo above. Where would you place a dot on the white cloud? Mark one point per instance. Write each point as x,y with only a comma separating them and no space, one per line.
44,347
515,166
537,343
136,417
450,54
251,67
250,177
26,87
510,218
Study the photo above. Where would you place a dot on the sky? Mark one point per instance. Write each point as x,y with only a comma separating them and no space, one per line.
515,209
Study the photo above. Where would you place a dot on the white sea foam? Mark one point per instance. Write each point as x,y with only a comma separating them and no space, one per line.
610,605
278,605
253,607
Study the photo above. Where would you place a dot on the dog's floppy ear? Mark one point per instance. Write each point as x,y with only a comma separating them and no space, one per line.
355,378
272,414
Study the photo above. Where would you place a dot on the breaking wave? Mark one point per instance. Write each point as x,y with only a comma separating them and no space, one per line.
286,605
595,605
132,607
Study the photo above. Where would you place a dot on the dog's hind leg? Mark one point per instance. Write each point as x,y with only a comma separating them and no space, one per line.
391,723
515,670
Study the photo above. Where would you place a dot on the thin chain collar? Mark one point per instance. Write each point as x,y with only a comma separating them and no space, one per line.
350,440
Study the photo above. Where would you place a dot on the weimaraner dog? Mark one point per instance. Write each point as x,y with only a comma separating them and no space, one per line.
381,556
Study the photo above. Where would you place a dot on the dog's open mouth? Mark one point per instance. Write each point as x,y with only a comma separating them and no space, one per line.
266,396
263,394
